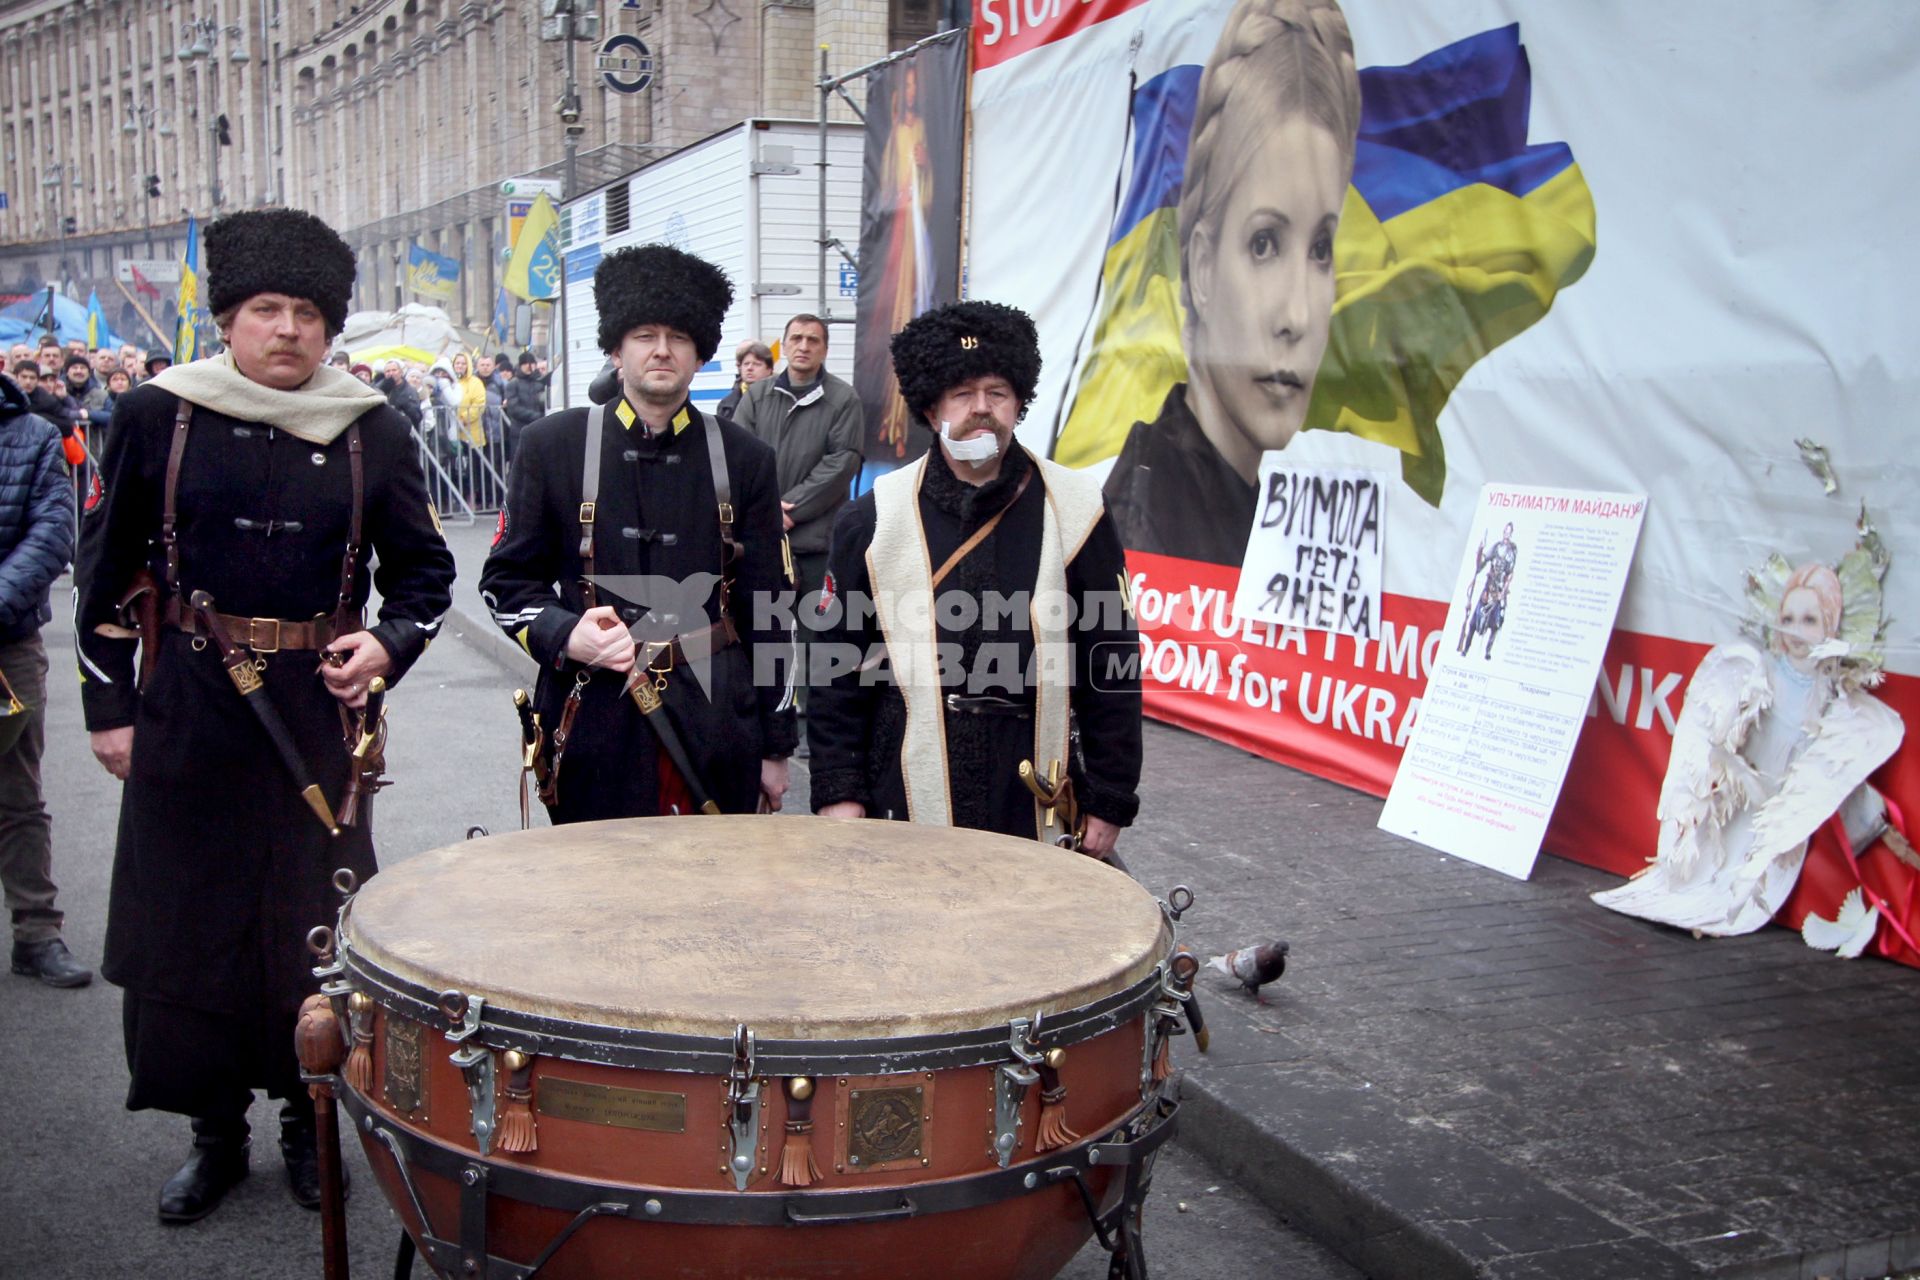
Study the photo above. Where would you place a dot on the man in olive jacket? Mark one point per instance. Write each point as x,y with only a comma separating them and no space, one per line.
815,424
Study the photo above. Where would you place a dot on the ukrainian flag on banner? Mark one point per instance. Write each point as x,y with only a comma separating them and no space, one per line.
533,272
189,300
97,331
1455,236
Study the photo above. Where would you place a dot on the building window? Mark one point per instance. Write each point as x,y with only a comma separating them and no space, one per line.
911,20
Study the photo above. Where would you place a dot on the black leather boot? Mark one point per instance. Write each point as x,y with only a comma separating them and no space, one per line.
51,962
215,1166
300,1148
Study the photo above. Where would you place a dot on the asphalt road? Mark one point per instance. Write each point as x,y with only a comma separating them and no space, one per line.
81,1173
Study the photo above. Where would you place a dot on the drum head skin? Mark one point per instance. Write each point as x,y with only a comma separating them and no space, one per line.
800,927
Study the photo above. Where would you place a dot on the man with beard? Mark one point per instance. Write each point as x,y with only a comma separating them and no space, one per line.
270,483
643,510
997,670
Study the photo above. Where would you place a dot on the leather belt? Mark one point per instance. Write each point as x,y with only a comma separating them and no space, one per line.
262,635
662,656
988,705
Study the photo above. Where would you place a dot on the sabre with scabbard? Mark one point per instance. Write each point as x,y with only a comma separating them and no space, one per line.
646,696
1054,795
369,752
531,764
240,669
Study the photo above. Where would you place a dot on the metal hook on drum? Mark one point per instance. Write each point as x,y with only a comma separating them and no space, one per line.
476,832
345,882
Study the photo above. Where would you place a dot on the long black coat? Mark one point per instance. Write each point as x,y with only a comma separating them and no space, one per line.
857,720
656,517
220,868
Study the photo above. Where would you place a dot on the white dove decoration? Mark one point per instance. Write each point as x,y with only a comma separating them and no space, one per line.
1848,934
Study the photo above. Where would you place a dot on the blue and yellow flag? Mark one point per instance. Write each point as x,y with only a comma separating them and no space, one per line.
98,334
502,326
184,341
430,274
1456,235
533,271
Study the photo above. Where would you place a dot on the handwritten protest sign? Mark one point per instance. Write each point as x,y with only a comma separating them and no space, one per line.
1314,555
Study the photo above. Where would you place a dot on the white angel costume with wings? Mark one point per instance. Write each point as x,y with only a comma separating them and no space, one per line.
1766,752
1762,756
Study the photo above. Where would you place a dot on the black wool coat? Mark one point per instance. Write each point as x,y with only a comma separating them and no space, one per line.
857,720
657,531
220,868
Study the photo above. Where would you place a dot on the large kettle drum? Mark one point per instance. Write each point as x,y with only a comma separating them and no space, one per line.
758,1047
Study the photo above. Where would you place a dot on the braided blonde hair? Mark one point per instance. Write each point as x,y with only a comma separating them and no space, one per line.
1275,57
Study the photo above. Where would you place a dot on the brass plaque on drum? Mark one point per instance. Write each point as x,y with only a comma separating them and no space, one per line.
885,1128
404,1078
611,1105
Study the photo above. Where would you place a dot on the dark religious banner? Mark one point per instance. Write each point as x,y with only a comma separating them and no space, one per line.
909,228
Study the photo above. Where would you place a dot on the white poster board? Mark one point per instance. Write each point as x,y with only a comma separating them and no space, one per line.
1527,627
1315,555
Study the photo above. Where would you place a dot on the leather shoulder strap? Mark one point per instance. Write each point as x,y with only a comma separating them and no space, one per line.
589,496
344,620
722,495
169,509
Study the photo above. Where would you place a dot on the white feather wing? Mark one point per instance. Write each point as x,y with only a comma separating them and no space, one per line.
1727,692
1856,735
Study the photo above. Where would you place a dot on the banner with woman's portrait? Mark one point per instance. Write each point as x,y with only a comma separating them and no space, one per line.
909,228
1491,241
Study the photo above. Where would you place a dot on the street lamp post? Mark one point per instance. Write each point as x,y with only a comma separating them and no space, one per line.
53,180
199,37
141,121
571,21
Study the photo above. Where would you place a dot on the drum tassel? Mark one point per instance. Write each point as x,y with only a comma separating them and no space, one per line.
359,1073
797,1165
1053,1132
1163,1052
516,1132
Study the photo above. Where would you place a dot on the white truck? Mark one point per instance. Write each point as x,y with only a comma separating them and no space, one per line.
746,199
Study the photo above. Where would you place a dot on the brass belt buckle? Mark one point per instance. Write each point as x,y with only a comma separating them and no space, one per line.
652,655
254,643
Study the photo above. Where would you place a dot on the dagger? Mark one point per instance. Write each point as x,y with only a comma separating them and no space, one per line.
247,680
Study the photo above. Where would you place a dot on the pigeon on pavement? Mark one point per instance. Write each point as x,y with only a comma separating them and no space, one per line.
1253,967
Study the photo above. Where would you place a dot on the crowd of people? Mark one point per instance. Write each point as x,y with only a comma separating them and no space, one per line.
656,560
76,389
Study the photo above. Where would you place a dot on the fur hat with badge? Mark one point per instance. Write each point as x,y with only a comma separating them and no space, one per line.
940,349
658,284
279,251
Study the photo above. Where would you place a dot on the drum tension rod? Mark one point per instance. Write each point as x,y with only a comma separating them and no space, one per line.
743,1109
475,1061
1010,1085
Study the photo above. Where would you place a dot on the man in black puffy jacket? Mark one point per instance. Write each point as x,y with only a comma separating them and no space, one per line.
36,541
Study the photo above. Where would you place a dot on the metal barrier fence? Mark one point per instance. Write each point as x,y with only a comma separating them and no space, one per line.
465,480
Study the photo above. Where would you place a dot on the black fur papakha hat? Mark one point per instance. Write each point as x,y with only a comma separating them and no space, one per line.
279,251
942,348
658,284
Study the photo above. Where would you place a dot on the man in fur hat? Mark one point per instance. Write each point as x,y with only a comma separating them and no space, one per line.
645,532
1029,635
270,482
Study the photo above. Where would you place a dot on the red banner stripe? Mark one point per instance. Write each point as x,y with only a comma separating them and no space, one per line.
1005,29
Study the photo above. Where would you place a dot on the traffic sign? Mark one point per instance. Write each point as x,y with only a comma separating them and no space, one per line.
626,64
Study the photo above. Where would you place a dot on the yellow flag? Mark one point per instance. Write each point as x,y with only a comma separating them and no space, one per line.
533,272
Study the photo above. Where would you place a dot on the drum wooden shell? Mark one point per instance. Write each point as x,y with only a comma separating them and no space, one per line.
895,967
